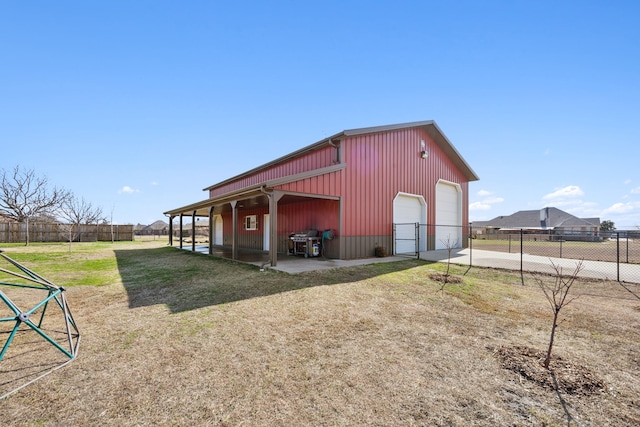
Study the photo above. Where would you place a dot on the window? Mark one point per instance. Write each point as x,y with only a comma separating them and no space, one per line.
251,222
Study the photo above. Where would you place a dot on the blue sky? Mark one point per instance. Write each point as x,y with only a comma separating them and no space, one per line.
139,105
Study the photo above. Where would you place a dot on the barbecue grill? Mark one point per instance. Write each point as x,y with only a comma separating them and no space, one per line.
305,243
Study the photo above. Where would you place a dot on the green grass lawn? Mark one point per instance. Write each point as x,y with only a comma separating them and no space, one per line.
170,337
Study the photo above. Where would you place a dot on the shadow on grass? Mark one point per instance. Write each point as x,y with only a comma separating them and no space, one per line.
183,280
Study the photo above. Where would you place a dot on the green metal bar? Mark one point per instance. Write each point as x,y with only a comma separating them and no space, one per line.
18,285
13,334
33,275
55,293
44,310
9,303
43,302
48,338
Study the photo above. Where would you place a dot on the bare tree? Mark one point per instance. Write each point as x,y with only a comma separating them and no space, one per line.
557,294
450,244
76,212
24,195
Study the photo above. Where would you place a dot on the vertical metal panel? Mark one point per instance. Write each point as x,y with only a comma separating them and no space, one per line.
381,165
310,161
327,185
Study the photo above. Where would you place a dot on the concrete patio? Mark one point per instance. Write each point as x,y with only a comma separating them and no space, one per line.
289,263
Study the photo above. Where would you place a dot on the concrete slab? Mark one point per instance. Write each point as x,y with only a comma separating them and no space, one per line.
290,263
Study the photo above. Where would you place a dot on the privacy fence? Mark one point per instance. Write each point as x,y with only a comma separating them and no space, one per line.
16,232
612,255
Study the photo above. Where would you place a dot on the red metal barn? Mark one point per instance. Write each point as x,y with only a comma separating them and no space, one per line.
357,183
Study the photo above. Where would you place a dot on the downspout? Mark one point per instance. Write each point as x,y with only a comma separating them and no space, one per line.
337,145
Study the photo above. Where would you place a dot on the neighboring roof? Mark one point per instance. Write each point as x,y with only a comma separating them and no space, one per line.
157,225
545,218
429,125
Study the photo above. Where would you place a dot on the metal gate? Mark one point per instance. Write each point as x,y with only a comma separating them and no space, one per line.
406,239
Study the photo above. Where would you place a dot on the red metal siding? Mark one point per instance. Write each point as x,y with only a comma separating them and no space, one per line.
308,162
318,214
381,165
327,184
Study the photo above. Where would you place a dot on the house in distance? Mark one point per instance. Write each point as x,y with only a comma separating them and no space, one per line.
549,222
356,185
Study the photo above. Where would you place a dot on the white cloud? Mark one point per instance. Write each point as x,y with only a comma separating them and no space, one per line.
479,206
622,208
486,203
154,183
570,191
127,190
635,190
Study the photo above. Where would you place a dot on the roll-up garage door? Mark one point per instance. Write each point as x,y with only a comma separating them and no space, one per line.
448,215
409,210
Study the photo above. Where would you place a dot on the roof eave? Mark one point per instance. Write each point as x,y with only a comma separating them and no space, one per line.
292,155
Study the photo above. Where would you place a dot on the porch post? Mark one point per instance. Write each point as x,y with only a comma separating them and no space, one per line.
211,230
170,231
234,234
181,214
274,197
193,231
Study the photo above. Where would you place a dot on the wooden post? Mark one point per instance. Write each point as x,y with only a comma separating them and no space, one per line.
274,197
170,231
234,222
180,236
193,231
211,230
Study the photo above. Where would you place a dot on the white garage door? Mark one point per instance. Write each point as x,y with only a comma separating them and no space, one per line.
448,215
409,210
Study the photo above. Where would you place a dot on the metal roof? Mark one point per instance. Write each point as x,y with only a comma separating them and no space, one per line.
429,125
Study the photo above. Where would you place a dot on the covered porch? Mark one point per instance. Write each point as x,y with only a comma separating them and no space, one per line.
253,224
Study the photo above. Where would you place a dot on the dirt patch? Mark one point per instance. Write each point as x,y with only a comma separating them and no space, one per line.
562,375
445,278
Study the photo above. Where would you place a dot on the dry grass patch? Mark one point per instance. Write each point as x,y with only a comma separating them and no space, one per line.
182,338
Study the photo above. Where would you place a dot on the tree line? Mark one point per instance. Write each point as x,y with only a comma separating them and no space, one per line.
25,196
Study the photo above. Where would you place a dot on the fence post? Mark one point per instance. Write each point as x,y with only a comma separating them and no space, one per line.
618,255
418,240
521,255
393,237
470,245
627,246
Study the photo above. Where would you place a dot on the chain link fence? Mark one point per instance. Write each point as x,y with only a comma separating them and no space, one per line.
605,255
